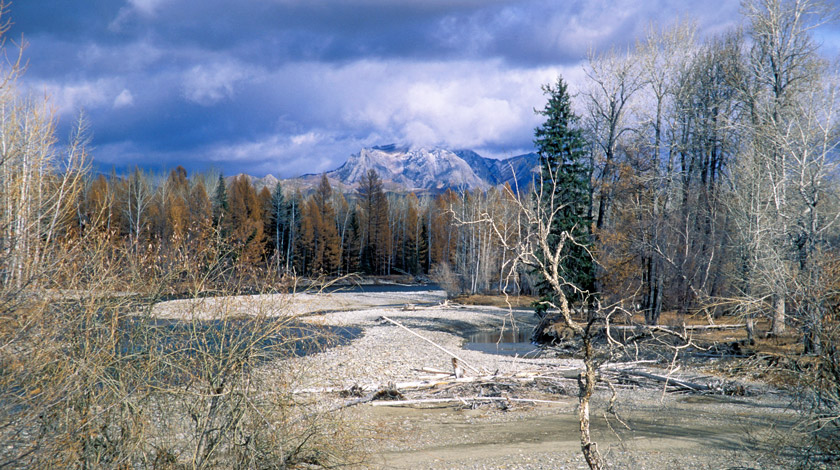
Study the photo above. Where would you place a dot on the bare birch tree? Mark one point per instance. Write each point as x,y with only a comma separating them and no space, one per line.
782,64
614,78
663,55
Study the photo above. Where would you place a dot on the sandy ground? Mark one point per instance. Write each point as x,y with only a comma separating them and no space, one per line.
663,431
290,304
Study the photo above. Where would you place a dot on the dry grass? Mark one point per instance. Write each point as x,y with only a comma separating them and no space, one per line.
789,344
520,301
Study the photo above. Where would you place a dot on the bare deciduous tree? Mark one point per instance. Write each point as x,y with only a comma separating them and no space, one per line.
782,65
614,79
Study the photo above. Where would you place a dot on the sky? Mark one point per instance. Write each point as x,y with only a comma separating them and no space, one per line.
288,87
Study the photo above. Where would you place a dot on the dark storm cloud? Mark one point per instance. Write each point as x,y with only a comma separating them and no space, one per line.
295,86
534,32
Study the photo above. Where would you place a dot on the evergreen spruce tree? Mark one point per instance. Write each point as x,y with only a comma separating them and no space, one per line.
220,202
565,193
352,244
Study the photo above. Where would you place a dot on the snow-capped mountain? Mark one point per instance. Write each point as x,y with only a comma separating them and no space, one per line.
426,170
435,169
429,169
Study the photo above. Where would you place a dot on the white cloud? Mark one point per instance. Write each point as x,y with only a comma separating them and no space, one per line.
209,84
124,99
326,112
143,8
455,104
69,98
139,56
316,151
295,151
303,139
146,7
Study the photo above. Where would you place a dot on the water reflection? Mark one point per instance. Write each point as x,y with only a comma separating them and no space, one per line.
508,342
270,338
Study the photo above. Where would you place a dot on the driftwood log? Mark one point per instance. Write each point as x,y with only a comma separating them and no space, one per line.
550,329
387,393
676,329
424,401
683,384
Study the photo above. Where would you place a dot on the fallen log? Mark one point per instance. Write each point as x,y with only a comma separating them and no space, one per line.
715,327
356,401
423,401
615,365
432,370
676,330
690,386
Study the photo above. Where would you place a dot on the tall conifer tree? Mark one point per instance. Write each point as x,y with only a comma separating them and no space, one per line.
328,255
220,202
278,221
243,221
565,192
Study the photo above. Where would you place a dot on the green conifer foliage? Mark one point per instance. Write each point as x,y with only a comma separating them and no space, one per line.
220,202
565,194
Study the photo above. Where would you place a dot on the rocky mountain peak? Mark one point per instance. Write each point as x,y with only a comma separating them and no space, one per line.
422,169
433,169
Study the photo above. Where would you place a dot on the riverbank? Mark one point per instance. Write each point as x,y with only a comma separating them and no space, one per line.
666,430
490,422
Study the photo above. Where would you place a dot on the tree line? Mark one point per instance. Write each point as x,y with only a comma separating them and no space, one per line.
197,219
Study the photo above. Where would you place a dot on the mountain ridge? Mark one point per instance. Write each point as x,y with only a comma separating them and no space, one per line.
422,170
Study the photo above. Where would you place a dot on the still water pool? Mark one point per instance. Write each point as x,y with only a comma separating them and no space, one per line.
508,342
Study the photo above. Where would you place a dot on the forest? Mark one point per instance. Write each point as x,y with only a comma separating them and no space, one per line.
711,186
177,219
689,175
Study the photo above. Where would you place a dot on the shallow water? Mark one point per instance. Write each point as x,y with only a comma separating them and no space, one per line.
507,342
184,350
211,336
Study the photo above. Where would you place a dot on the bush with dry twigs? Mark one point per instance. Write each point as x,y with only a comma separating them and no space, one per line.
90,376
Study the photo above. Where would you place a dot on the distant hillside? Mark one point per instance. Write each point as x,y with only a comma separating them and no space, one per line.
518,171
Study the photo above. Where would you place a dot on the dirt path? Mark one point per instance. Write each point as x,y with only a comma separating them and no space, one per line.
681,432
